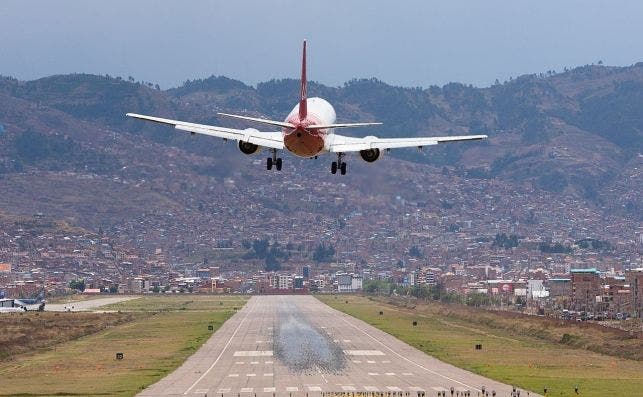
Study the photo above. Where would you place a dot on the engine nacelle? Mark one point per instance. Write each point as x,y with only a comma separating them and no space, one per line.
369,155
247,147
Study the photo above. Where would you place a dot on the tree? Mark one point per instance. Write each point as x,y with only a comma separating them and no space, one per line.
415,252
324,253
77,285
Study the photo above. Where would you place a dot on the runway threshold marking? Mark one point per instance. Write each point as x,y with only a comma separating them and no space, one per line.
220,354
253,353
364,353
341,315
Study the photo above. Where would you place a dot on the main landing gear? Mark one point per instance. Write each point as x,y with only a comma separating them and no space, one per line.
338,165
274,160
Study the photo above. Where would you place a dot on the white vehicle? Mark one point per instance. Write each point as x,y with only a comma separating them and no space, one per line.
307,131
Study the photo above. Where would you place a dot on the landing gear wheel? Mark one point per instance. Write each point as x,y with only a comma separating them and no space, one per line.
269,163
333,167
343,169
278,164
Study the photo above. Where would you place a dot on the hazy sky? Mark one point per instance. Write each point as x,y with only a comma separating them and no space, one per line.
410,43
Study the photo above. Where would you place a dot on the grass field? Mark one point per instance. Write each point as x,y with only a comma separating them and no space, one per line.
526,361
165,331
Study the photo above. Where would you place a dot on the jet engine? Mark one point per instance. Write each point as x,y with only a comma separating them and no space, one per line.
369,155
247,147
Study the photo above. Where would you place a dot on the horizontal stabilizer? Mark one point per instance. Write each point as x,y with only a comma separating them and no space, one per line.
282,124
346,125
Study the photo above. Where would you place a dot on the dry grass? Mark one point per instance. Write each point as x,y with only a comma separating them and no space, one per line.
514,351
30,331
164,332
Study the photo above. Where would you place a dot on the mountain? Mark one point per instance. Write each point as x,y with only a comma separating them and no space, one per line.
578,133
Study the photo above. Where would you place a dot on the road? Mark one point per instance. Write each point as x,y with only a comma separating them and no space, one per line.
296,345
86,305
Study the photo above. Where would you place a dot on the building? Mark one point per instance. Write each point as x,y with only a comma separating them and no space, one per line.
284,282
559,287
586,287
634,278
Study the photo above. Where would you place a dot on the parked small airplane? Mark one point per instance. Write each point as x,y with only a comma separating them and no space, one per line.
21,305
309,130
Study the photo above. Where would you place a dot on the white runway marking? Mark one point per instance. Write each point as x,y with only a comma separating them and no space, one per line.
373,374
393,388
253,353
363,353
226,390
357,361
347,340
348,388
386,362
370,361
239,362
268,362
438,388
269,389
233,376
220,354
251,375
246,390
390,373
415,388
371,388
201,390
314,388
407,374
292,389
268,374
254,362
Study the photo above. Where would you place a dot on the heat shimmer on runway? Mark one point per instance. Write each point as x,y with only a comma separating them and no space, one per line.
296,345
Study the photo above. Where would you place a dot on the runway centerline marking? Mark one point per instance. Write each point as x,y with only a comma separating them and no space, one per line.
401,356
220,354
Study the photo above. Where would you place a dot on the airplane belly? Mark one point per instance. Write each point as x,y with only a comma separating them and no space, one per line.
304,144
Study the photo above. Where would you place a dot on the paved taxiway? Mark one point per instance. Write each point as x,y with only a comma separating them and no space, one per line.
296,345
86,305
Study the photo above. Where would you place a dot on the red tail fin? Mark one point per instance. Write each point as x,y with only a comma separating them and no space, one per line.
303,106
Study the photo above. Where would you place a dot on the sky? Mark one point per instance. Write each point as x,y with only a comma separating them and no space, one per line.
409,43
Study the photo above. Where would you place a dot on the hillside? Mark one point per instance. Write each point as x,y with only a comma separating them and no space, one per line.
67,149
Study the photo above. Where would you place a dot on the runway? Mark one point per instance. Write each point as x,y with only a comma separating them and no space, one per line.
86,305
296,345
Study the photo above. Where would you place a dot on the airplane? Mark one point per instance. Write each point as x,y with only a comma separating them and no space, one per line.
21,305
307,131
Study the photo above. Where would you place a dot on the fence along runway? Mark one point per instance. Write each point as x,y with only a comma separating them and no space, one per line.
297,346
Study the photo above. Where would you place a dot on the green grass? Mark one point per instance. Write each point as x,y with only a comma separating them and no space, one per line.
153,346
526,361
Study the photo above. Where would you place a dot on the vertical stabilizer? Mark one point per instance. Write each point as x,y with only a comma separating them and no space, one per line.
303,106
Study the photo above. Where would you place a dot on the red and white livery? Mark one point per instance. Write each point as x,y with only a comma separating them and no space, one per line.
307,131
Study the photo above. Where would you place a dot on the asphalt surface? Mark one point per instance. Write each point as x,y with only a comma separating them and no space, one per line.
297,346
86,305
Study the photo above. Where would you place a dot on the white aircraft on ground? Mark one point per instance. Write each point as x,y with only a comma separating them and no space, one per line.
308,131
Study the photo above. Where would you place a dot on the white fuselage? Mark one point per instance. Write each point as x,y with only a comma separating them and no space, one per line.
308,143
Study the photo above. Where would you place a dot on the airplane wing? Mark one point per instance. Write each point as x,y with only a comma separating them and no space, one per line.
273,139
340,143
